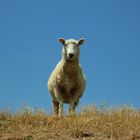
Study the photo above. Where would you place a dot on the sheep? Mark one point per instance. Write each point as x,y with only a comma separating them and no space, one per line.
67,81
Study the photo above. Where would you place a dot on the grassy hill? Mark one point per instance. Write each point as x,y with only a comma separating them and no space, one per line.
122,123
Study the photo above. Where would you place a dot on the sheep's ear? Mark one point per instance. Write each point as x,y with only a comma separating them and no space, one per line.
61,40
81,41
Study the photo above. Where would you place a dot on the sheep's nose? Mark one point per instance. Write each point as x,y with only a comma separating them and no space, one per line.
71,55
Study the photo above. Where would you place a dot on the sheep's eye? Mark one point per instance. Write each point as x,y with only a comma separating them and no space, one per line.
65,45
77,45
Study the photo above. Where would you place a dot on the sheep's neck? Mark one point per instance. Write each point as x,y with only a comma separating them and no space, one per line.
70,68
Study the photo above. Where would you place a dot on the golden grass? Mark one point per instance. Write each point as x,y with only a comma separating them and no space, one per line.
90,124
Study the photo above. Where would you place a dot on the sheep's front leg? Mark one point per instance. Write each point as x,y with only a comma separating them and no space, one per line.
72,107
60,105
56,107
60,108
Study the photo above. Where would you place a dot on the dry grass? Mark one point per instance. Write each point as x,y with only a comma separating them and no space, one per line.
90,124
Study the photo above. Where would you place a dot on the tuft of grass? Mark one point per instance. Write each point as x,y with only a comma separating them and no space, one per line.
91,123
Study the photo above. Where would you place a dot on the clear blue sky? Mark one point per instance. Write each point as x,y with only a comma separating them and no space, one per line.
29,49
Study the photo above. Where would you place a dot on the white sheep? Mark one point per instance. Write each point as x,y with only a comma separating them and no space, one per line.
67,81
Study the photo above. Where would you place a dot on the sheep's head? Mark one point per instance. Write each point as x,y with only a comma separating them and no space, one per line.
71,49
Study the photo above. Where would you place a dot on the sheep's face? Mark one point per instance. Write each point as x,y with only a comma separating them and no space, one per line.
71,49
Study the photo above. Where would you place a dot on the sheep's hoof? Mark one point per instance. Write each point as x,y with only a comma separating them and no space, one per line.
72,114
